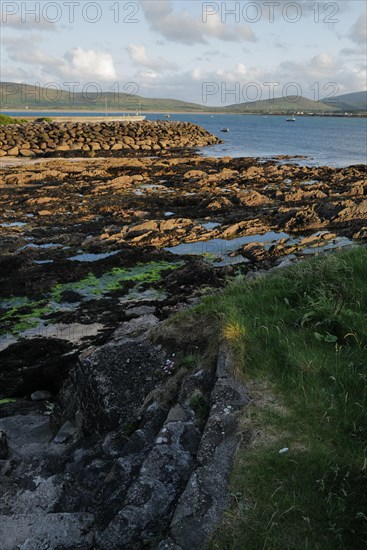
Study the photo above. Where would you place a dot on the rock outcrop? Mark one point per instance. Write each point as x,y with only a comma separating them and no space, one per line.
124,467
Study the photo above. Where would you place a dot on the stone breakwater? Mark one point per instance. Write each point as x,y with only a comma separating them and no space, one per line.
39,139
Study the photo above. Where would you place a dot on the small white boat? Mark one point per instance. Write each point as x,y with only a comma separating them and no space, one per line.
291,119
225,130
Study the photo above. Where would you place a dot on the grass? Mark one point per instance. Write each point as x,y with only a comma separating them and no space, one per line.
4,119
299,338
7,400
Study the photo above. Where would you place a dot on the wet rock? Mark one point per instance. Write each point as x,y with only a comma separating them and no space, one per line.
205,497
65,433
255,252
358,188
41,395
234,229
362,234
220,204
135,327
165,471
44,213
195,174
44,532
109,386
33,364
195,274
70,296
139,311
354,212
252,198
314,239
305,218
4,447
253,171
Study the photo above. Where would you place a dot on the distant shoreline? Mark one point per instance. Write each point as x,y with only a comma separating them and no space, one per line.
102,114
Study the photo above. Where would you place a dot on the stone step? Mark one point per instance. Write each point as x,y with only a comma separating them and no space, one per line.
151,498
206,497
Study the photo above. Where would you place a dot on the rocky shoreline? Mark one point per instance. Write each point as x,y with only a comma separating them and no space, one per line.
84,139
118,426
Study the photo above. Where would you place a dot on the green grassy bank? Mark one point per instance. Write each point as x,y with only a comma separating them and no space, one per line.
299,338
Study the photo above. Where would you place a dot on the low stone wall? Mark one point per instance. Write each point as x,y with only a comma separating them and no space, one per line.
38,139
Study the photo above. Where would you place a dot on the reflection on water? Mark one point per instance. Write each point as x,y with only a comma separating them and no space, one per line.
221,247
86,257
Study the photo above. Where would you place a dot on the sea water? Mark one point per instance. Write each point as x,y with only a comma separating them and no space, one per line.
324,140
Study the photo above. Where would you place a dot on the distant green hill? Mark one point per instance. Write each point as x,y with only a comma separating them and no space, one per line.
22,96
286,105
356,101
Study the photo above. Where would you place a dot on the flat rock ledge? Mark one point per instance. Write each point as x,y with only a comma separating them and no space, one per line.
44,138
118,466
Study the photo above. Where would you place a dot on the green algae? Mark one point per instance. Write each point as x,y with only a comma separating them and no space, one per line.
14,302
32,319
23,314
150,295
94,287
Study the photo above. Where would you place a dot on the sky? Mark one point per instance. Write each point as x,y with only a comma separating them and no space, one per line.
212,53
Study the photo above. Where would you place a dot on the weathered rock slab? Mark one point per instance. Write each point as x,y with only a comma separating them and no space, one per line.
44,532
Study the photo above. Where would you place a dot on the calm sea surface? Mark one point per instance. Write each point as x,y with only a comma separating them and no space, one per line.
329,141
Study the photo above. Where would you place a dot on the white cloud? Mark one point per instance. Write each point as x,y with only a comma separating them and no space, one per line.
226,32
322,75
76,63
149,75
139,56
218,54
354,52
23,24
25,50
174,27
238,74
88,64
197,74
181,27
321,66
358,32
316,77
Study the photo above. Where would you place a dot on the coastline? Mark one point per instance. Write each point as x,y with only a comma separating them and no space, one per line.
23,113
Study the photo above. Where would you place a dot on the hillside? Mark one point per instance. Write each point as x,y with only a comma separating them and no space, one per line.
356,101
20,96
288,104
